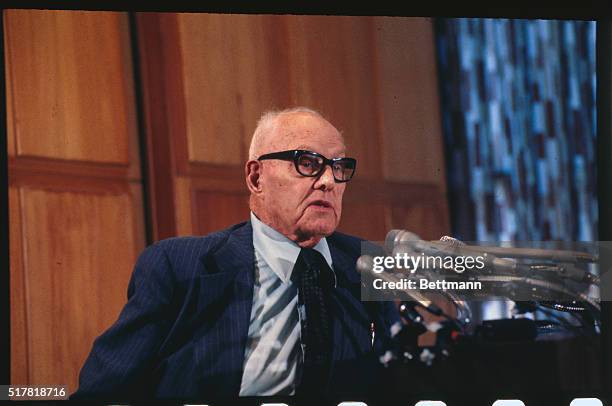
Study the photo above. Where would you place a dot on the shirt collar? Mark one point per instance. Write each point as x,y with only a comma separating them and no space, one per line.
279,252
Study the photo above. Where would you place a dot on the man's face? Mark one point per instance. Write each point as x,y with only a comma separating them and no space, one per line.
303,208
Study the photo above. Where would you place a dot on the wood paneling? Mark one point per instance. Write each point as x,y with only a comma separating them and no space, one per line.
21,165
331,63
184,211
76,208
79,249
71,84
10,124
164,114
195,199
409,102
371,209
72,246
19,331
429,221
217,210
364,219
232,69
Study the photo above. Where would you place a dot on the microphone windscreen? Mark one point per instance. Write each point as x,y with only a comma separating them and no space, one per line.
395,237
407,237
365,263
390,240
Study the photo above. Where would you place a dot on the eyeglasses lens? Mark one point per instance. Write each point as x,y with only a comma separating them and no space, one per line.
343,170
309,165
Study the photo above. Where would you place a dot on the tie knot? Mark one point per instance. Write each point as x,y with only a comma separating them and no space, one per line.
318,267
313,257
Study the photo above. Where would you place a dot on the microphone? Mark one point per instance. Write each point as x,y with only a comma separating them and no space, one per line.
402,241
522,253
365,264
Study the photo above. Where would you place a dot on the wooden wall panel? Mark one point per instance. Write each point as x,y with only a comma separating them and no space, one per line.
76,208
428,220
364,219
263,75
196,198
79,249
70,85
371,209
217,210
185,225
19,331
231,70
163,114
409,102
10,124
331,63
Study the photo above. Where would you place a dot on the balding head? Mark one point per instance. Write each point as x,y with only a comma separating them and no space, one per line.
304,209
266,132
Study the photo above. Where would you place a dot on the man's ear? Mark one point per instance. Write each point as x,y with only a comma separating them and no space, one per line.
252,171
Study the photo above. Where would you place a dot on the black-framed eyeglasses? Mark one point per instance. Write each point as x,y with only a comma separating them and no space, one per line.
309,163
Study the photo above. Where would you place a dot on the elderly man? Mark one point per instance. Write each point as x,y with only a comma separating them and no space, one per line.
266,307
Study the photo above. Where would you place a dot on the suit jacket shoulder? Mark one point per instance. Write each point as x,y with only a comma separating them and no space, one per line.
186,253
154,322
346,242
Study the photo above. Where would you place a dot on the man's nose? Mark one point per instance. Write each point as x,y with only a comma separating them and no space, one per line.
326,179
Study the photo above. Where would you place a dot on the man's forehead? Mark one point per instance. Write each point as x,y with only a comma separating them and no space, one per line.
305,130
311,142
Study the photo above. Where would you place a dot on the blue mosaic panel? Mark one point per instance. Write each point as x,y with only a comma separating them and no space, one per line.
518,101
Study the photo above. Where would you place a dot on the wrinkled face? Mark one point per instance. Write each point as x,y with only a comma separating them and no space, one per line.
302,208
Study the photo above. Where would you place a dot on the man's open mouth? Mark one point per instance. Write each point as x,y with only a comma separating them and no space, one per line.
321,203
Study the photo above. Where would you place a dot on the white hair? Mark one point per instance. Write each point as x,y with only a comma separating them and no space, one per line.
267,124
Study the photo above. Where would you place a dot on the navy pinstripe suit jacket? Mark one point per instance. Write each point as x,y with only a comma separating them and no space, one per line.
183,331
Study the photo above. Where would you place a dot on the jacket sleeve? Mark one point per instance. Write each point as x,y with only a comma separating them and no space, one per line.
120,363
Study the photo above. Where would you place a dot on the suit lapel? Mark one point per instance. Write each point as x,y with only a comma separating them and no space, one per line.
227,292
342,262
349,319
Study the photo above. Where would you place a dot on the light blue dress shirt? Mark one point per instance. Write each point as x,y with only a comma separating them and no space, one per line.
273,349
